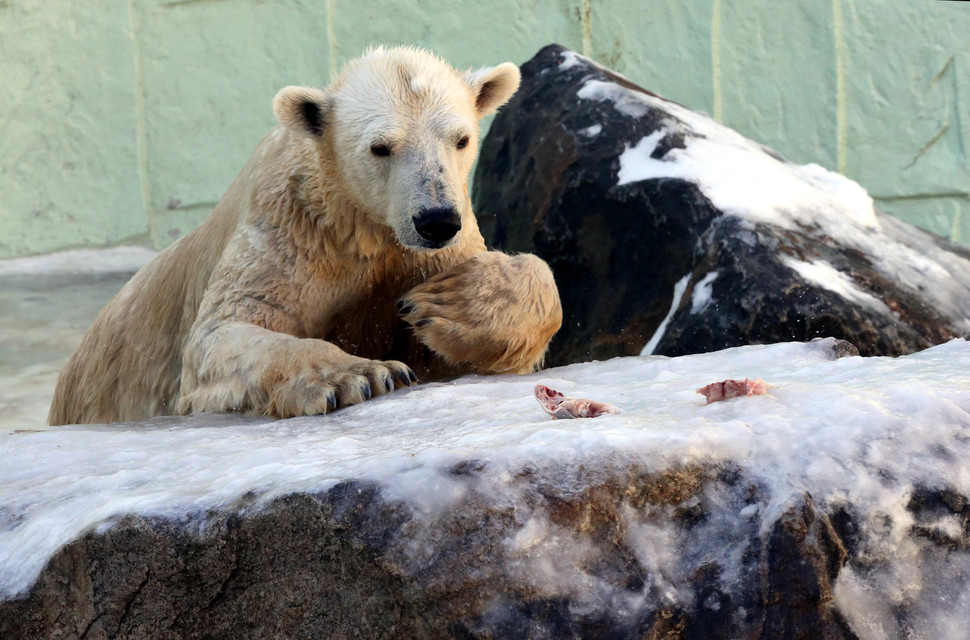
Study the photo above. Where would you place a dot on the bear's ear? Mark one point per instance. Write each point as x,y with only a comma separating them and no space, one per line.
493,86
302,110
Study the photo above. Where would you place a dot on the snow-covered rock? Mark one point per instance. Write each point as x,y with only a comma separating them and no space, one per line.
833,507
669,233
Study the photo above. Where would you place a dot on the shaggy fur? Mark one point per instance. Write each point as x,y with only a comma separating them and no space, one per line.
313,280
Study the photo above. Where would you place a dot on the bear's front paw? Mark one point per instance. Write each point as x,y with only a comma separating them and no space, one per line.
494,312
312,390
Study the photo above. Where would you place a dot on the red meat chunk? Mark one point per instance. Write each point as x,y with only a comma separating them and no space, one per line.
560,406
728,389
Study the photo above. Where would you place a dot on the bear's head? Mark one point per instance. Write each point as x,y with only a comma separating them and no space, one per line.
402,126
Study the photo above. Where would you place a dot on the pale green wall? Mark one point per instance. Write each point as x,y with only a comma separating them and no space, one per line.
125,121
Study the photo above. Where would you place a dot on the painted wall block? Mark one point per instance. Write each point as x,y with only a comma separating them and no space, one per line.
906,117
778,76
665,46
69,172
467,34
948,216
209,73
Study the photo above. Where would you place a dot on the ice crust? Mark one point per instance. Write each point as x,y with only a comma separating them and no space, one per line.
861,431
79,261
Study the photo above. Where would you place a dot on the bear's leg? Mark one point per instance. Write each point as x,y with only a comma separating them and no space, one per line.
495,313
241,367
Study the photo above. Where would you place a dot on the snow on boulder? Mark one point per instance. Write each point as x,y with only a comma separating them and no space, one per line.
669,233
834,506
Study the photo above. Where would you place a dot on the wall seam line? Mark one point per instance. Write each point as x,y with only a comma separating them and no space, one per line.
716,60
331,38
841,109
140,121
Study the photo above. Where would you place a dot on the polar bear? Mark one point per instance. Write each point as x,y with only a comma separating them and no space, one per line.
344,258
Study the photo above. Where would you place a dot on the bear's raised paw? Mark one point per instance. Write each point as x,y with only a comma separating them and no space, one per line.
495,312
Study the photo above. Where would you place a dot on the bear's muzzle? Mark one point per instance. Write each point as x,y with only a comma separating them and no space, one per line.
437,225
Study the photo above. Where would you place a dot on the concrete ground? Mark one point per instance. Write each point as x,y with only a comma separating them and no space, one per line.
46,305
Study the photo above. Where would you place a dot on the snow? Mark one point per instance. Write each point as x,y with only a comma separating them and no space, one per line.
745,179
636,163
738,176
571,59
855,430
679,287
625,101
828,277
702,296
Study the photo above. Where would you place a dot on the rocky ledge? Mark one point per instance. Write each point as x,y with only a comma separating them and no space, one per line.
669,233
835,506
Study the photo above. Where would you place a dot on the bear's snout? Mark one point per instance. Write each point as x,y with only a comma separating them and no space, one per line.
437,225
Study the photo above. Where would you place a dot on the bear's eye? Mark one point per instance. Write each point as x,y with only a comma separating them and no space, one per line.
380,150
463,142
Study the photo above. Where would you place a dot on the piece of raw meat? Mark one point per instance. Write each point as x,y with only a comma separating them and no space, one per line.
560,406
728,389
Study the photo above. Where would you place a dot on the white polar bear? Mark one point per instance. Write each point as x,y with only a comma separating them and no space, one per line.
346,245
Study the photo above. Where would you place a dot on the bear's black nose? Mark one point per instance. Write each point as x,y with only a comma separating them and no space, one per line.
437,225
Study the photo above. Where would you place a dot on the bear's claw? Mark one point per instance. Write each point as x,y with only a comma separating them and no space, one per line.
333,388
388,380
403,378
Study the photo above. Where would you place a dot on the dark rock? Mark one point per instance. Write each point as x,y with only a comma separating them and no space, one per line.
548,182
299,568
932,508
803,557
349,563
